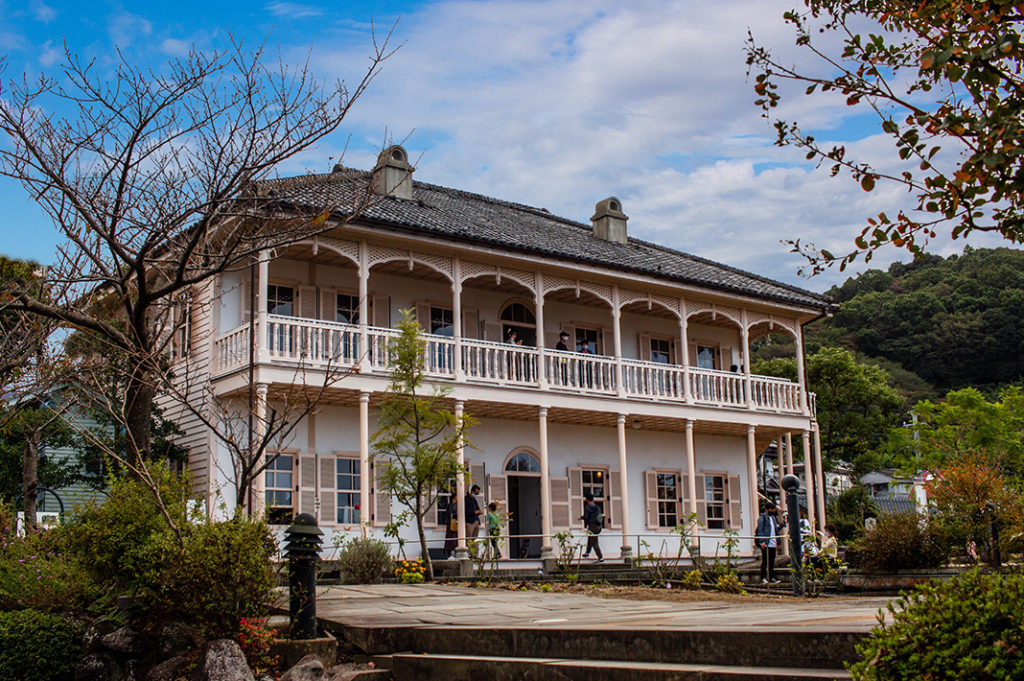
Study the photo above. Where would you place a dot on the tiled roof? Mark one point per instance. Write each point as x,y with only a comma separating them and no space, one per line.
463,216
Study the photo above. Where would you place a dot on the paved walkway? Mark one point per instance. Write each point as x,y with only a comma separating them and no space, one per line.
429,605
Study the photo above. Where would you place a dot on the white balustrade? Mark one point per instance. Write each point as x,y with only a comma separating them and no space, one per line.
323,344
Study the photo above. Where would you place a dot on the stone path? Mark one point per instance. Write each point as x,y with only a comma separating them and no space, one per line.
431,605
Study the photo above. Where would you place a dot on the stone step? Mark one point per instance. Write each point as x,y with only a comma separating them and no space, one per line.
434,667
769,646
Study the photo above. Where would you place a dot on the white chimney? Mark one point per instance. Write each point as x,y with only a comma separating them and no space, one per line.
392,176
609,221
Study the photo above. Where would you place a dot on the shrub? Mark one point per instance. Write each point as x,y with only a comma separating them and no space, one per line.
364,560
966,628
692,580
902,542
255,638
37,646
38,572
219,573
728,583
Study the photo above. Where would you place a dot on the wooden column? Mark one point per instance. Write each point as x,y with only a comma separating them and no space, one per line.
538,313
808,477
620,386
820,479
262,327
546,551
753,511
461,549
364,306
364,462
627,549
684,350
457,319
691,478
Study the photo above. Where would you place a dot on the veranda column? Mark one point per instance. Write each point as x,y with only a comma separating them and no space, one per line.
800,373
620,385
546,551
461,550
258,500
364,462
820,479
780,472
789,454
457,318
691,478
745,339
753,511
364,306
684,350
538,313
262,327
627,549
808,477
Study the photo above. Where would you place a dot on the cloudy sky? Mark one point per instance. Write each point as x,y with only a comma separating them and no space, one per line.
557,104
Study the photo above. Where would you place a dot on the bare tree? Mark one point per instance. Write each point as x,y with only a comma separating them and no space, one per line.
150,179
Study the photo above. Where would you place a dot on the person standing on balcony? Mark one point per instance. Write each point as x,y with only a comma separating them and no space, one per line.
593,521
563,362
563,342
767,539
586,369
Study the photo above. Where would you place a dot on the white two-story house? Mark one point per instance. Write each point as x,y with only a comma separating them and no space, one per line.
661,420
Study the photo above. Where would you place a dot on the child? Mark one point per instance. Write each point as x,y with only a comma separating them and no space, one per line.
494,527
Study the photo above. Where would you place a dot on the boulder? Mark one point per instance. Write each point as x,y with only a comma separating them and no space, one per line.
166,670
98,667
95,631
309,668
128,642
175,637
223,660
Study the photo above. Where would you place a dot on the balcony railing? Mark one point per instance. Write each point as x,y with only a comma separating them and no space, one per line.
319,344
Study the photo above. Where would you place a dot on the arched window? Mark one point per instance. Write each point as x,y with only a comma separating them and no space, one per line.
523,462
518,325
517,312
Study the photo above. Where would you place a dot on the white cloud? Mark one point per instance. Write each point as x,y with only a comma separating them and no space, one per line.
293,10
175,48
125,28
43,12
50,55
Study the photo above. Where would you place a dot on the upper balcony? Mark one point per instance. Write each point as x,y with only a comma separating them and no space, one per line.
323,345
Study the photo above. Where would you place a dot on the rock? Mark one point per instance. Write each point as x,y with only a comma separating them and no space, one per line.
98,667
136,670
127,641
166,670
223,660
96,630
309,668
176,638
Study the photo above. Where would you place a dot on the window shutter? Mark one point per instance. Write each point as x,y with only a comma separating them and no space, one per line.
702,508
560,516
615,488
684,497
470,323
246,287
644,344
497,492
434,515
492,331
477,477
381,495
307,302
329,304
693,354
381,312
651,494
575,494
423,316
726,355
327,490
307,484
735,505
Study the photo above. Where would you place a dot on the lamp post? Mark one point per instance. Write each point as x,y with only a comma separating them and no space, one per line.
791,484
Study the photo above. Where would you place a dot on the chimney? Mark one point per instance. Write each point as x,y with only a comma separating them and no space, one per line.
392,176
609,221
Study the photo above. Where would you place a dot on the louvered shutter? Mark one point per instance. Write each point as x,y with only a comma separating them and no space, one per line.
423,316
470,323
307,302
615,489
727,360
328,490
381,312
684,497
492,331
329,304
643,343
477,477
693,354
560,516
307,484
651,495
246,288
735,504
497,492
702,504
381,495
575,494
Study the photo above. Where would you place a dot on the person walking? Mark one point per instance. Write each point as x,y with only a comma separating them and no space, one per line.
494,528
767,539
593,521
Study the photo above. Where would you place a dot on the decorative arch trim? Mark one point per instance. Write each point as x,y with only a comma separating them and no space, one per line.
379,255
602,291
475,270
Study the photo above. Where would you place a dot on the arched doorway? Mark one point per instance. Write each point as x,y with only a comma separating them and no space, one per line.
519,318
522,471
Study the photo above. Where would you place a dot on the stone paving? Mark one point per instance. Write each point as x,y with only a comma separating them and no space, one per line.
432,605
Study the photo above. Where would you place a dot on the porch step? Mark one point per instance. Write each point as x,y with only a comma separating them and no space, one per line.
450,667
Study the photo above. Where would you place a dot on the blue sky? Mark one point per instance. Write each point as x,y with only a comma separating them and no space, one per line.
556,104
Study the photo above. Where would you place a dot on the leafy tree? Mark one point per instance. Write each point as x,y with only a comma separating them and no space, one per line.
943,79
417,442
848,511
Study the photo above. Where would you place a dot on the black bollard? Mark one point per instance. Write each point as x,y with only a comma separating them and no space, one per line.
302,546
791,484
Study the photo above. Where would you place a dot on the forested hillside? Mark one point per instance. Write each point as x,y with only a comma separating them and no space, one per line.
954,322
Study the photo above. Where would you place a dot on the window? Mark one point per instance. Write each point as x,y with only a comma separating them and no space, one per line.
715,501
523,462
442,322
668,499
281,300
349,507
181,320
519,318
346,309
661,350
592,336
594,482
279,489
705,357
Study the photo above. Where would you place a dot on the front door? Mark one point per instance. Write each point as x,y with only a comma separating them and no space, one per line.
524,524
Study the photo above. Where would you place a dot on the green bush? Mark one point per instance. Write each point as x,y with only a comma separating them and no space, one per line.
218,573
364,560
966,628
36,646
38,572
902,542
